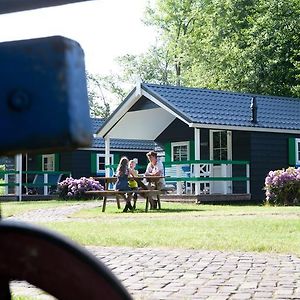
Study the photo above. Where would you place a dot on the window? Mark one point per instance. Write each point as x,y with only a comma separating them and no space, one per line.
180,151
101,163
48,162
297,151
220,145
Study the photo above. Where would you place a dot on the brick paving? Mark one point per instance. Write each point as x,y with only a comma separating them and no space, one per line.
190,274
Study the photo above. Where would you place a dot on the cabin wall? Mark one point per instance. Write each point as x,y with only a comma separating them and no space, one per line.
269,151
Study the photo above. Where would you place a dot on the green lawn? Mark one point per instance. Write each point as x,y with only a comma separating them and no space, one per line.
210,227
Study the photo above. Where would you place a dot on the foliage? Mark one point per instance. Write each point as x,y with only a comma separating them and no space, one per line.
238,45
99,106
283,186
75,188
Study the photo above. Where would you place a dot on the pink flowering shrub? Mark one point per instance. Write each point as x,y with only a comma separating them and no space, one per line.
75,188
283,186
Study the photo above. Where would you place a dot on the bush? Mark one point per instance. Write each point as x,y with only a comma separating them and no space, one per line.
283,187
75,188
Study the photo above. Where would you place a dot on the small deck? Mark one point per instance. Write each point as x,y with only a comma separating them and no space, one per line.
206,198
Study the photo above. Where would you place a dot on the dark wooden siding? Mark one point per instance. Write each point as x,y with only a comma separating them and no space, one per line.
240,151
79,162
269,151
177,131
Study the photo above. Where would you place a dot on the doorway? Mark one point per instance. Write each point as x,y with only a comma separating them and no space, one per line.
221,149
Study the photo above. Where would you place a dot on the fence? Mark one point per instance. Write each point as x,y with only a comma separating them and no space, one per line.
40,180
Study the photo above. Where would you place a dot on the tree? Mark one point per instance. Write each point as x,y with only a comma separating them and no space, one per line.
99,107
239,45
175,20
249,46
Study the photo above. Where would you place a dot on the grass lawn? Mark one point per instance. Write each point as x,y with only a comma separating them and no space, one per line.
191,226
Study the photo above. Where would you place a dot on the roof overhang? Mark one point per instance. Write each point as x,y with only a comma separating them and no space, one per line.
145,124
245,128
148,124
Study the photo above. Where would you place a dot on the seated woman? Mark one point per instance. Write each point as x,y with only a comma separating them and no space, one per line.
132,183
122,181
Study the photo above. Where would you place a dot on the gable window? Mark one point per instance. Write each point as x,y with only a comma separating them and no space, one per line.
180,151
48,162
297,151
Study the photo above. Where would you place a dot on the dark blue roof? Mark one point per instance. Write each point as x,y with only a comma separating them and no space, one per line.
96,124
214,107
119,144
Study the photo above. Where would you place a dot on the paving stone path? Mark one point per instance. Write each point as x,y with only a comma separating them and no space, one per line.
190,274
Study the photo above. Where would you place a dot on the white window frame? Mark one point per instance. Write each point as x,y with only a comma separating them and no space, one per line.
229,144
185,143
102,155
43,163
297,149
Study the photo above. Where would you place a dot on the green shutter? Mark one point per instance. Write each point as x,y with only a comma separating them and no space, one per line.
192,150
56,162
116,158
292,152
94,163
39,162
168,154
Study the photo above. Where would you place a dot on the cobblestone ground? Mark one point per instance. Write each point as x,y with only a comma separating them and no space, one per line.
190,274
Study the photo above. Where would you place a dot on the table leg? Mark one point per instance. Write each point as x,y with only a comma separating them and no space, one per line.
147,203
104,204
158,201
118,201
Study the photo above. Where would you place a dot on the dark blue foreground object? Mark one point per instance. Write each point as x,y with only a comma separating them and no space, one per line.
54,264
43,96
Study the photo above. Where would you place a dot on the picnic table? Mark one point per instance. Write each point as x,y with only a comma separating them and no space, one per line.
148,189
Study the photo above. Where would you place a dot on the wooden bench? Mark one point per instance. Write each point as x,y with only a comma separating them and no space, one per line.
144,193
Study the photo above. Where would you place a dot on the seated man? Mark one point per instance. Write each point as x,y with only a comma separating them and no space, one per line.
155,168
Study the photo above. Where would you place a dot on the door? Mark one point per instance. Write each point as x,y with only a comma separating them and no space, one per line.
221,149
180,152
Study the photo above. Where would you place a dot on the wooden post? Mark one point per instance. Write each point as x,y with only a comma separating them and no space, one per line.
197,157
248,176
45,181
18,189
107,155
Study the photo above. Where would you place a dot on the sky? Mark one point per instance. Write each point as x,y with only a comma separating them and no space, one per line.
105,29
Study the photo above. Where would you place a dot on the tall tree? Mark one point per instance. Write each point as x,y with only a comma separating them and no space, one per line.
99,106
241,45
248,45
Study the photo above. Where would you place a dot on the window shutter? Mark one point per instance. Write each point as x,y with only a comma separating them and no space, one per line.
292,152
192,150
56,162
39,162
116,158
168,152
93,163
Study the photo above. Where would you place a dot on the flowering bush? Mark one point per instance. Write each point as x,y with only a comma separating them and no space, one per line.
75,188
283,186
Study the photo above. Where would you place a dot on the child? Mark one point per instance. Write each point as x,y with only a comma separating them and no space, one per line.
132,183
122,181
